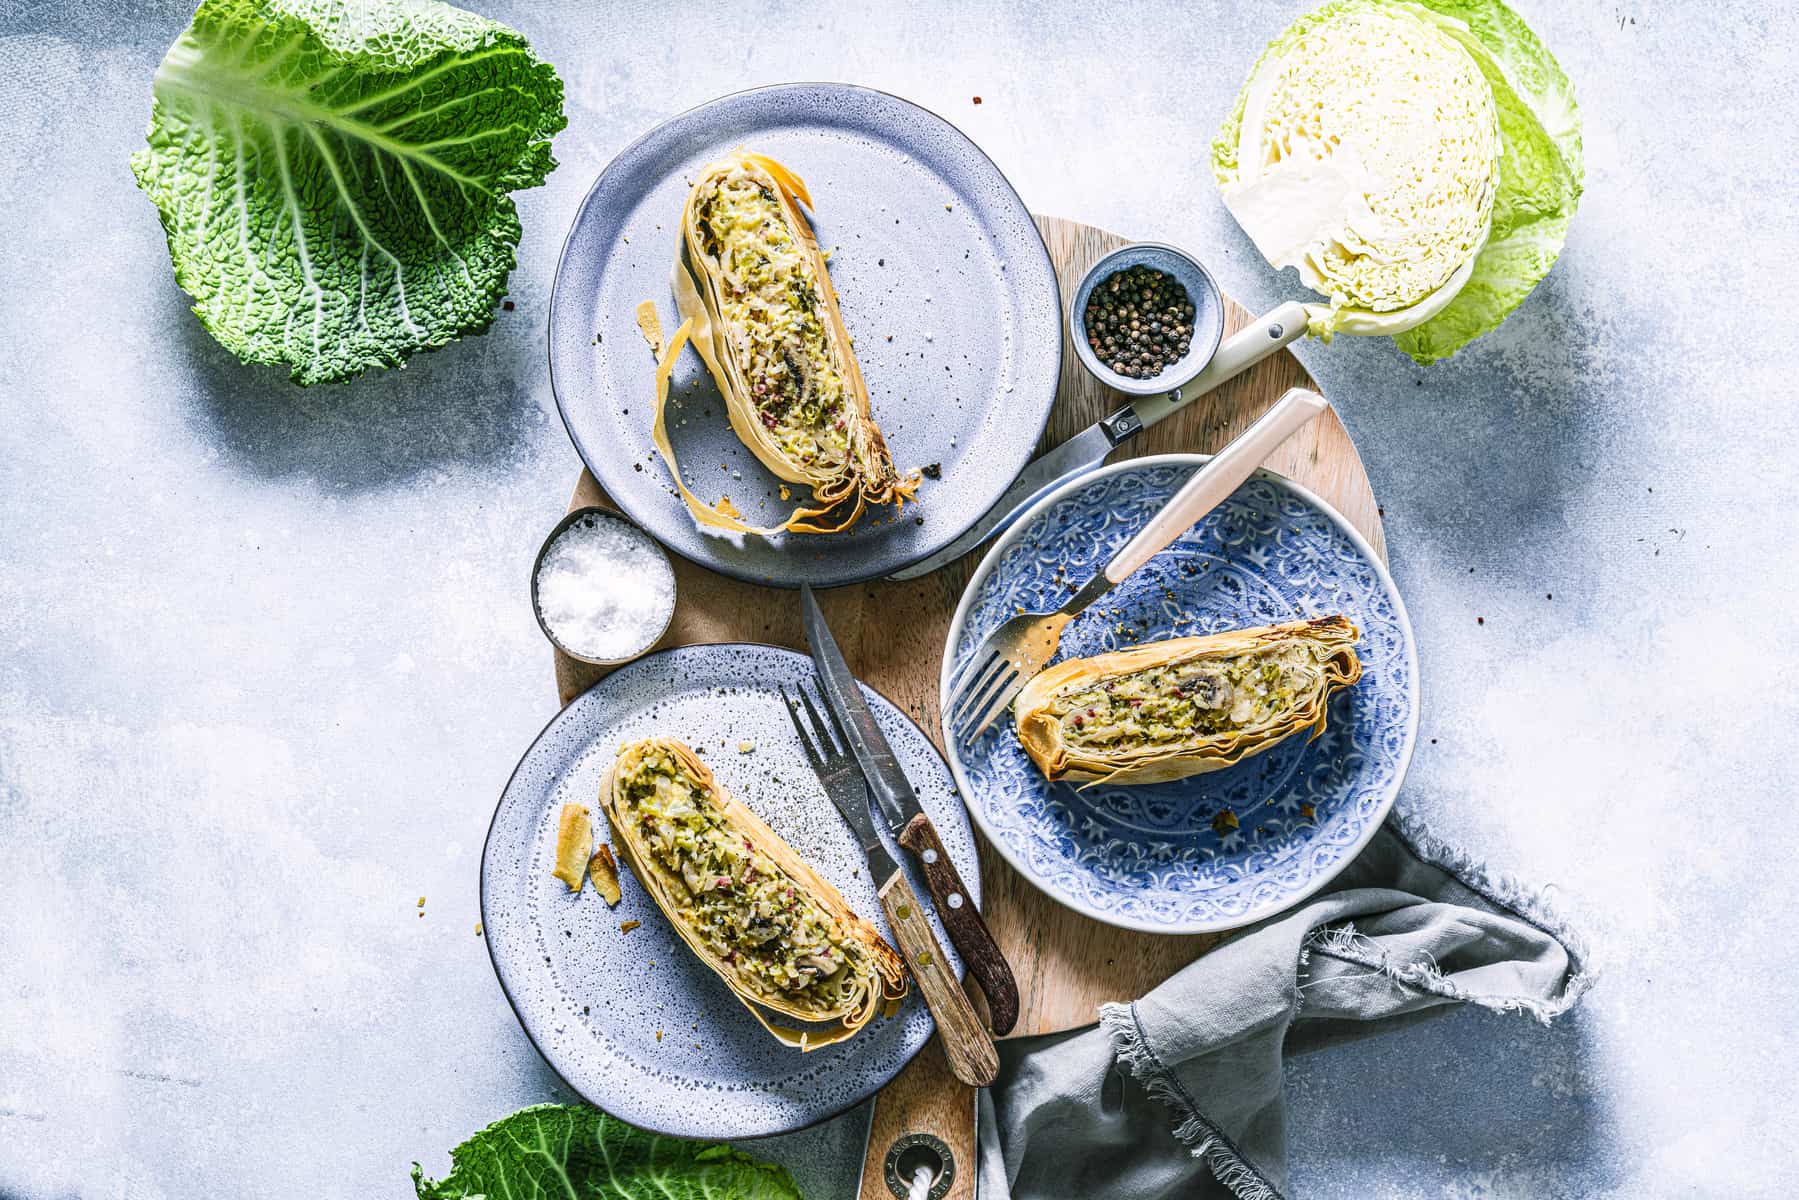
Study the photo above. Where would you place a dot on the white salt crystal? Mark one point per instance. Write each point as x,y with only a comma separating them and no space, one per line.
605,588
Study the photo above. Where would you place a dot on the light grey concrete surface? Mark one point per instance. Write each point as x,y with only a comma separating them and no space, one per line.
266,656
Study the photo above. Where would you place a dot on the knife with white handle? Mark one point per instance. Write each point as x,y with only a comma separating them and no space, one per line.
1087,450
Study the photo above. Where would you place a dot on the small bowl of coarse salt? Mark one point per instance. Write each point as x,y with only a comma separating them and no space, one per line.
603,589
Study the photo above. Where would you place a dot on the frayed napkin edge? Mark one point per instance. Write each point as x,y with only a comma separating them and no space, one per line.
1202,1139
1528,903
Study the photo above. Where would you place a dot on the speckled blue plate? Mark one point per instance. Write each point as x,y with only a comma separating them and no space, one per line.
1161,858
944,282
592,999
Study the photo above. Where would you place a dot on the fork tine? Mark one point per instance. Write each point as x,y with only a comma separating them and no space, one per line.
819,730
973,686
981,693
979,660
1014,684
990,703
979,664
843,737
793,714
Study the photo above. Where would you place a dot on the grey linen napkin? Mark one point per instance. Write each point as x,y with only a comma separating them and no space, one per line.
1179,1094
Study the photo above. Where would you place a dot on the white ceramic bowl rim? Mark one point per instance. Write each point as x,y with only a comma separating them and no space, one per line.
563,526
1202,292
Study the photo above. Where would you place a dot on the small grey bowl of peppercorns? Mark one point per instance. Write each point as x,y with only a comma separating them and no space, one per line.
1146,318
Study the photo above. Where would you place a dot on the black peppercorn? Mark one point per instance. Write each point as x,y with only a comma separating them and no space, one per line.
1138,319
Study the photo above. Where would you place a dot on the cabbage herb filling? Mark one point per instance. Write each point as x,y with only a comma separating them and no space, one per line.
1168,705
1184,706
757,304
744,908
770,301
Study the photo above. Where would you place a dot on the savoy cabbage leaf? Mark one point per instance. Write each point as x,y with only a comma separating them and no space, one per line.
335,176
571,1152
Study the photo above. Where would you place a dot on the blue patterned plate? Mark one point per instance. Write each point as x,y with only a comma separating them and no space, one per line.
633,1021
1166,858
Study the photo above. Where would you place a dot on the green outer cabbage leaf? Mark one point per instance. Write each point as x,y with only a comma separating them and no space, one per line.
334,176
1541,168
571,1152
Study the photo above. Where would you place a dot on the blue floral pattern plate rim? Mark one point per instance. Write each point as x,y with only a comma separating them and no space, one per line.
631,1020
1163,859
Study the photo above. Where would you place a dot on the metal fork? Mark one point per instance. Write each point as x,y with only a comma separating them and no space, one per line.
966,1042
986,683
839,774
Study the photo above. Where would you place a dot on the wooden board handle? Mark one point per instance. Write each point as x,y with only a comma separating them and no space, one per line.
963,921
923,1098
972,1056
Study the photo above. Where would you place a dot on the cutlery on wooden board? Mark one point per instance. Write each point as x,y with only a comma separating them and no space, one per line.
1087,450
1067,964
972,1056
899,808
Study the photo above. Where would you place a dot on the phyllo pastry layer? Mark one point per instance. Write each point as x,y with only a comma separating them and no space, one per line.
756,301
1185,706
777,933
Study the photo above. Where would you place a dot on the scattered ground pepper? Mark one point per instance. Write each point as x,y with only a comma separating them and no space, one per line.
933,471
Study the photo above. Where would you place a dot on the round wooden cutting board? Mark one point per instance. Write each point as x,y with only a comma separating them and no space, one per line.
1066,964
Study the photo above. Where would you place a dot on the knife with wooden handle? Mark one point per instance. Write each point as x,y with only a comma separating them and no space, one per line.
899,807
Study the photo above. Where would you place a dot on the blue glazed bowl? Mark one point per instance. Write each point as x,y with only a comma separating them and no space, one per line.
1202,292
1162,858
